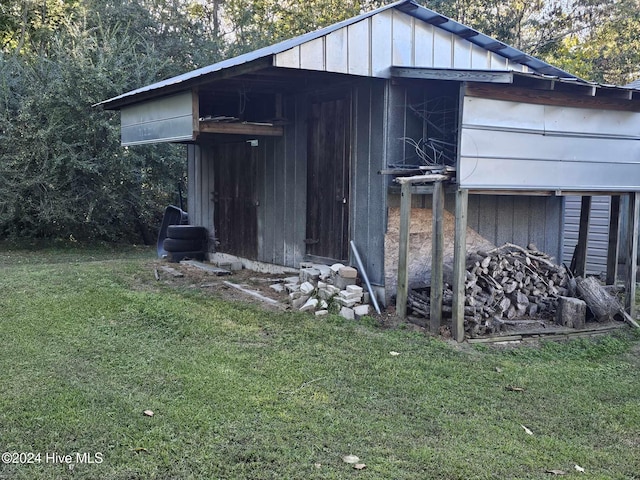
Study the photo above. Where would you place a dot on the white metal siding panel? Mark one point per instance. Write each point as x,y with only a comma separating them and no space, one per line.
442,49
312,55
403,40
496,62
337,57
461,53
381,48
359,45
507,145
423,38
597,241
289,58
165,119
479,58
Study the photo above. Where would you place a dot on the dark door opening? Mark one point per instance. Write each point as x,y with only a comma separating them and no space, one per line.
235,211
328,160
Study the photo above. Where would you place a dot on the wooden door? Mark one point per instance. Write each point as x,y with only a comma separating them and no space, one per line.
328,159
234,196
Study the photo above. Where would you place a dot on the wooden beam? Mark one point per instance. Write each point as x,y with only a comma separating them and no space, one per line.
402,290
458,75
612,247
437,257
242,129
580,254
543,97
633,219
459,263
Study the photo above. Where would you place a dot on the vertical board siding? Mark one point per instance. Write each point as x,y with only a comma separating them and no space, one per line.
390,38
368,189
598,237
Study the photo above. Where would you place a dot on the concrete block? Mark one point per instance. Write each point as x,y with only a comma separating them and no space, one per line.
361,311
307,288
306,264
350,296
347,313
295,295
323,304
293,280
348,272
342,283
336,267
344,302
309,274
277,287
322,313
325,271
292,287
310,304
299,302
354,289
571,312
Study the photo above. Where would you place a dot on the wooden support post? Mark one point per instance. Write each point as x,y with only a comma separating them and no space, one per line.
437,257
632,254
459,263
580,267
403,251
612,248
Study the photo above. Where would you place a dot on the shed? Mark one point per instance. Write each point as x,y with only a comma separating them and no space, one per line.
292,148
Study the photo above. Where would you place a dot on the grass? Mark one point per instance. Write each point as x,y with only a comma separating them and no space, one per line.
91,341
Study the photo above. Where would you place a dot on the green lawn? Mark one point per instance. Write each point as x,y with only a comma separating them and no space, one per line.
91,340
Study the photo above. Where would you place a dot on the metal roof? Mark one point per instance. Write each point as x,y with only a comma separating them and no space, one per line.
407,6
635,84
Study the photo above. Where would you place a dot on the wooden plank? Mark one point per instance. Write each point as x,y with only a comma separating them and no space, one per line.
612,247
542,97
403,251
437,257
459,260
459,75
632,256
580,255
242,129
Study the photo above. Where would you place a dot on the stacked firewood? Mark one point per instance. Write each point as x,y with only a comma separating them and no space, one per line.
501,285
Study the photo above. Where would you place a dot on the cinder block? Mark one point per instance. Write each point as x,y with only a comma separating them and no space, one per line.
361,311
348,272
347,313
354,289
322,313
310,304
307,288
309,274
299,302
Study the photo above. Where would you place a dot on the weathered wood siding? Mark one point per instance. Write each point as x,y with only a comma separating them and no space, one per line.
281,177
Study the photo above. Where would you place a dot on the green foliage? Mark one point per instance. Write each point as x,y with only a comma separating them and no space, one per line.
63,173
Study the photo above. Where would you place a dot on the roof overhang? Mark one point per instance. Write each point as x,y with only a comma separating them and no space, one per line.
520,79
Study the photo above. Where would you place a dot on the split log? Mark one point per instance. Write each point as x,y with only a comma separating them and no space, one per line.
602,304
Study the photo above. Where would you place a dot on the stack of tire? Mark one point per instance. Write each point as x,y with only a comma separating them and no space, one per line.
185,242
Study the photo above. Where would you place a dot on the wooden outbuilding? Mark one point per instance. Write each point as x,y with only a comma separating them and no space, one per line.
299,148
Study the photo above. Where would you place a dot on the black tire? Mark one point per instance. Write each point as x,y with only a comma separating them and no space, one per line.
181,245
186,232
176,257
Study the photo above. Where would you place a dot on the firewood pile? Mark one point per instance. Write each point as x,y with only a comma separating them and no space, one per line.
507,283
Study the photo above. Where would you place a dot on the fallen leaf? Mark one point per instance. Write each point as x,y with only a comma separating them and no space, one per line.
498,369
556,472
140,449
394,354
527,431
359,466
148,413
579,468
514,389
350,459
